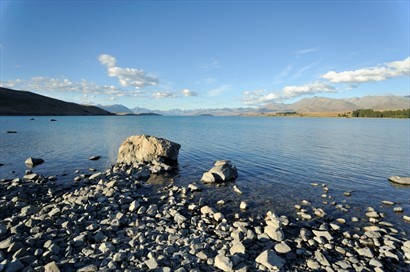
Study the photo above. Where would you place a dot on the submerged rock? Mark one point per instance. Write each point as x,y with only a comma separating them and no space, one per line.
146,148
400,180
222,171
31,162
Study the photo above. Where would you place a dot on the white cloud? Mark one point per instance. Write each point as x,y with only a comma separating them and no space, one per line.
311,88
307,50
186,92
376,73
107,60
48,84
259,97
220,90
161,95
127,76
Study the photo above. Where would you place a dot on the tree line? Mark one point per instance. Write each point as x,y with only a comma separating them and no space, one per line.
405,113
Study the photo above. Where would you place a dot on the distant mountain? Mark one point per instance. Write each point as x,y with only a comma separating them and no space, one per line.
116,108
14,102
273,107
322,104
141,110
390,102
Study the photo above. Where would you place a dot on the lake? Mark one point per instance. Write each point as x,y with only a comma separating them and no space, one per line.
277,158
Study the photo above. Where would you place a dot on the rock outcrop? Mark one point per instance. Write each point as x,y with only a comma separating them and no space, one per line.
146,149
222,171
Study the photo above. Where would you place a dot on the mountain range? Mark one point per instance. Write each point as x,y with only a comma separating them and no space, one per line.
305,105
14,102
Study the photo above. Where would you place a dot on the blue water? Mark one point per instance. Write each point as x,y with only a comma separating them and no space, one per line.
277,158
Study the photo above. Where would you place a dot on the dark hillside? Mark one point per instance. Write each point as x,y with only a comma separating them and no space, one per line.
14,102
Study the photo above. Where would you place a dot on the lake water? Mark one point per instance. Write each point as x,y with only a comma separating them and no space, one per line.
277,158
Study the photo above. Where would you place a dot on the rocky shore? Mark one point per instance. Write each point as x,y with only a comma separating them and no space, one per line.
114,221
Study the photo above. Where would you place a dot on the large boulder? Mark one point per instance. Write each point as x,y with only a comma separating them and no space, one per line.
222,171
146,149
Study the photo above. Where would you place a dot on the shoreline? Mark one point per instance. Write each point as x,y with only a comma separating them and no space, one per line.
115,220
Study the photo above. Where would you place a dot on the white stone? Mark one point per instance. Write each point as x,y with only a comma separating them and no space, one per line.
275,234
270,260
222,262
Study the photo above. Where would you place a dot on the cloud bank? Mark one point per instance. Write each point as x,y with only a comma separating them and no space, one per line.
127,76
376,73
352,78
258,97
49,84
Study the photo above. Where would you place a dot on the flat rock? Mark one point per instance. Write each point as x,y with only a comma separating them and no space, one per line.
31,176
270,260
400,180
274,234
95,158
282,248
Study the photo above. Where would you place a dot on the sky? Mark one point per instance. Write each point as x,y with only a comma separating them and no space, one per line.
166,55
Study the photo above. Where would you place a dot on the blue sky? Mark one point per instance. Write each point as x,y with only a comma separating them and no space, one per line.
204,54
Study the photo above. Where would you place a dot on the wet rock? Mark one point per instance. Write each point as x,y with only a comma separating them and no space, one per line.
400,180
31,162
243,205
95,176
32,176
146,148
406,218
236,190
398,209
222,171
94,158
270,260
